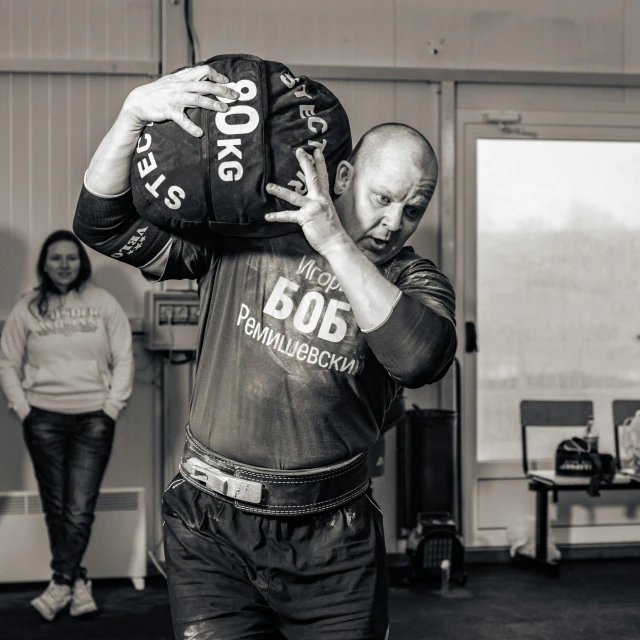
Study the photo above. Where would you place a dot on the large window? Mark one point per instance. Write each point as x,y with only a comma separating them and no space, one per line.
558,280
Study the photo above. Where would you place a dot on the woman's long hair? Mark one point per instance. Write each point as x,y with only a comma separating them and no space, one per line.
46,288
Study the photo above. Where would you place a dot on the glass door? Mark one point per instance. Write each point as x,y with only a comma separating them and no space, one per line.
552,244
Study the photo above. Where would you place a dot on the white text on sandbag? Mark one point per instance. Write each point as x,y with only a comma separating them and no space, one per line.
232,170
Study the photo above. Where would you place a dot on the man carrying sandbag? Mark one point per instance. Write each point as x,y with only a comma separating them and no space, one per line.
312,317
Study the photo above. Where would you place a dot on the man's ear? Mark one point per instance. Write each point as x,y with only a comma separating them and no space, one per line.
344,176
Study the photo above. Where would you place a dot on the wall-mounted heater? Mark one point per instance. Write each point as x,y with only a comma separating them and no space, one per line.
117,548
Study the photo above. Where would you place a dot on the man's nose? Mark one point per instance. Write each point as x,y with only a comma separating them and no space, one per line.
393,218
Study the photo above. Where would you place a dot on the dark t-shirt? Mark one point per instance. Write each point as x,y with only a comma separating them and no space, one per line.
285,378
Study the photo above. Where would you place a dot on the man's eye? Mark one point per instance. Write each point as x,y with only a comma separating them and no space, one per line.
412,213
383,199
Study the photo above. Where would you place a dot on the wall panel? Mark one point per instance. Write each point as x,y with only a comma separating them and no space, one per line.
77,39
79,29
5,28
331,32
60,177
18,24
14,259
40,157
553,35
366,103
50,125
630,39
40,19
510,96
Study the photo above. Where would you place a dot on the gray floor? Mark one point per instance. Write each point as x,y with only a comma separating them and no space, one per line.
591,600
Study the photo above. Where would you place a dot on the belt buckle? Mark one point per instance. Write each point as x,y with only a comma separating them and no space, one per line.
221,482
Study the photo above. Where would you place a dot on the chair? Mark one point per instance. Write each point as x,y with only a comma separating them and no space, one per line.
552,413
623,409
556,413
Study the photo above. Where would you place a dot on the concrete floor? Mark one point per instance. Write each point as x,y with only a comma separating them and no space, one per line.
594,600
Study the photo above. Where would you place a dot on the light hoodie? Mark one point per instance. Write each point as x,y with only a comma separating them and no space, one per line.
78,358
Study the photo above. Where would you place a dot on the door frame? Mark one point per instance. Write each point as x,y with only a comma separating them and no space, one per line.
470,126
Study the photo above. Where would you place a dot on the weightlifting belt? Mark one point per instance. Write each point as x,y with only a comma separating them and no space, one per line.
273,491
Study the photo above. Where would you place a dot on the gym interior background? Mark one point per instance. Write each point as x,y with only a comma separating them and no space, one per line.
534,112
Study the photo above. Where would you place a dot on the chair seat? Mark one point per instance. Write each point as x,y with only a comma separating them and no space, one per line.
553,479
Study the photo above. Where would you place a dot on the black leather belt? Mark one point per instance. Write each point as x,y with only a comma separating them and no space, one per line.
273,491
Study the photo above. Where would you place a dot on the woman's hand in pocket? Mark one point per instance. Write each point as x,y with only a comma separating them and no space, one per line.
107,416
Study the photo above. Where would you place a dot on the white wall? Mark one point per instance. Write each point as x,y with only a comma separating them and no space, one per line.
556,35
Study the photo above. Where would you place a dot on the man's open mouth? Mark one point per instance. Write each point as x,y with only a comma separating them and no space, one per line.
378,243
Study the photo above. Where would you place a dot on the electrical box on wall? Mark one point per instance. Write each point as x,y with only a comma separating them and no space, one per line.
171,320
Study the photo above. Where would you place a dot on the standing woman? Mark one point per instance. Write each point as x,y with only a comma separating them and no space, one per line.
66,368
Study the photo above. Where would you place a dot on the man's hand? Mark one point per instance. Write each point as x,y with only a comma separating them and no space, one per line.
159,101
317,215
168,97
371,295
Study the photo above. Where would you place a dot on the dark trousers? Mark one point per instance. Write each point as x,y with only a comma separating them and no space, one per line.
237,575
70,453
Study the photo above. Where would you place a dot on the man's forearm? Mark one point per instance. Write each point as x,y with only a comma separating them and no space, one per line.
108,172
414,343
371,296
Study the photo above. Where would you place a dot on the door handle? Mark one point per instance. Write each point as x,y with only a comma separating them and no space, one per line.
471,337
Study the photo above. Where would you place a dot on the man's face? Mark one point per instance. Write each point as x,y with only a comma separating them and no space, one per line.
387,197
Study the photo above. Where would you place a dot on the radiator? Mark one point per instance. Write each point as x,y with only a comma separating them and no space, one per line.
117,548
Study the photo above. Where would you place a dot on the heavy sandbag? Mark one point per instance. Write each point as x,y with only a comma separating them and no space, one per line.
215,184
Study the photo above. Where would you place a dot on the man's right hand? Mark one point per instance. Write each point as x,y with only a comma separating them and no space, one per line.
168,97
159,101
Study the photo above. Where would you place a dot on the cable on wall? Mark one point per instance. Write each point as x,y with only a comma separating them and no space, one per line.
191,34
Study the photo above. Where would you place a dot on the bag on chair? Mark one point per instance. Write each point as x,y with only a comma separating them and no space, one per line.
575,458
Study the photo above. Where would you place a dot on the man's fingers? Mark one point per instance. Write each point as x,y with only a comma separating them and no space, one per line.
180,118
220,106
205,72
203,94
204,102
321,170
285,194
222,91
317,182
306,164
283,216
211,89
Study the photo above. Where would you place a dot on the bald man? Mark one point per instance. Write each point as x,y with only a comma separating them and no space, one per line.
270,528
